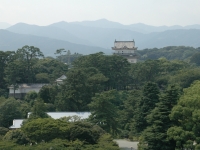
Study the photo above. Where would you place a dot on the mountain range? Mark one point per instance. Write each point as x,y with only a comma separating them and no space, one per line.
92,36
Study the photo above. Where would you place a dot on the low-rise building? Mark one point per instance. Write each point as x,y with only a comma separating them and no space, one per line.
21,89
17,123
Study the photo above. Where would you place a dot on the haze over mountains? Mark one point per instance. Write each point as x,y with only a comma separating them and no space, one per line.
92,36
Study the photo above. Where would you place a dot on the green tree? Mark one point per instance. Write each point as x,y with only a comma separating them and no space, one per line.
31,96
38,110
154,137
49,69
46,129
78,89
104,112
128,111
186,116
16,136
28,56
59,52
9,110
150,96
195,59
113,67
5,58
48,93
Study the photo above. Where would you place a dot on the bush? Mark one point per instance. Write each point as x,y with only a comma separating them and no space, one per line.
17,136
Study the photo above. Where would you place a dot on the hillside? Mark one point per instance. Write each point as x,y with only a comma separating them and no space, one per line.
13,41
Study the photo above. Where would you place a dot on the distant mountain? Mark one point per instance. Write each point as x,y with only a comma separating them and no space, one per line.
181,37
13,41
139,27
101,34
4,25
104,37
47,31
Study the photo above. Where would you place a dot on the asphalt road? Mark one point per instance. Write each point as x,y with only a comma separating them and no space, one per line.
126,145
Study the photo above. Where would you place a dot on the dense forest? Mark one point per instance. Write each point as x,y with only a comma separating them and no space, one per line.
155,101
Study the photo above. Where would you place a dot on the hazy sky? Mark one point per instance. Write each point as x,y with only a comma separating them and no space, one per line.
152,12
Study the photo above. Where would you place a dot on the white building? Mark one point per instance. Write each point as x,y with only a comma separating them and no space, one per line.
24,88
126,49
17,123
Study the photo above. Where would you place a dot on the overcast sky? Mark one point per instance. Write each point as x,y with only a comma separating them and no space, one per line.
151,12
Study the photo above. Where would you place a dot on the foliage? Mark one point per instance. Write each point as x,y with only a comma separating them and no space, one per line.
154,137
78,89
186,117
9,110
48,93
113,67
38,110
104,112
5,59
16,136
31,96
150,96
85,132
45,129
195,58
169,52
3,131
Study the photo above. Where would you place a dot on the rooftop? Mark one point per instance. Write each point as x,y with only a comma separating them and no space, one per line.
30,85
124,45
57,115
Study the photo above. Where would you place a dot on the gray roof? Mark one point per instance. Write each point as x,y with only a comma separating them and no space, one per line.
61,78
17,123
30,85
57,115
124,44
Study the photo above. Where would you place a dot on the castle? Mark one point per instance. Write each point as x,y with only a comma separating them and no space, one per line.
126,49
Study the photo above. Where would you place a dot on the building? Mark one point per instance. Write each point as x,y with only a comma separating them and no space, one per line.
126,49
17,123
24,88
60,80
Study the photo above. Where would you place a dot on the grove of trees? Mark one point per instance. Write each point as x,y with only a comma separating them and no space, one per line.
155,101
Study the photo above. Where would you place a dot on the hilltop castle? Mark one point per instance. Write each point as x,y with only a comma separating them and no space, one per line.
126,49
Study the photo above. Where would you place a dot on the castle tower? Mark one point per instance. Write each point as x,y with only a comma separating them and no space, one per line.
126,49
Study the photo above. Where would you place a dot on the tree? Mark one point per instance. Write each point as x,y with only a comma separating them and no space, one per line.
186,77
150,96
28,56
48,93
186,116
14,73
154,137
113,67
86,132
31,96
9,110
59,52
195,59
104,112
47,70
16,136
38,110
129,106
78,89
46,129
5,58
